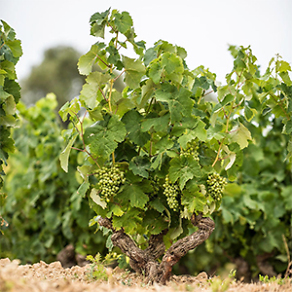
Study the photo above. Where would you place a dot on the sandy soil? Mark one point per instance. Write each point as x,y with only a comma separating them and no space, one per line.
52,277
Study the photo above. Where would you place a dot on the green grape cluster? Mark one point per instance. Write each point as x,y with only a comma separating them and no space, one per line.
109,181
154,181
171,192
192,150
215,185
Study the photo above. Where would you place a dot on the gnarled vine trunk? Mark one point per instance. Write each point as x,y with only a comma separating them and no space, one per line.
146,260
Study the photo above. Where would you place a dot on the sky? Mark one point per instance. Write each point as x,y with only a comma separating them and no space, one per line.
204,28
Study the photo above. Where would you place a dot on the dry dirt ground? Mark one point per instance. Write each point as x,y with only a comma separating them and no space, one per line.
52,277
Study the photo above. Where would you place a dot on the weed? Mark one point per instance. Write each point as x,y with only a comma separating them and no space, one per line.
98,269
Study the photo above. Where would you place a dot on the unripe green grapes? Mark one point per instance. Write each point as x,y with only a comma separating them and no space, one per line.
154,181
171,192
215,186
109,181
192,150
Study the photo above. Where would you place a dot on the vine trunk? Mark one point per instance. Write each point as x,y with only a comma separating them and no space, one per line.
145,261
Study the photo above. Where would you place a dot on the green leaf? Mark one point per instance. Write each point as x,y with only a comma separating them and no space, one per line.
183,168
180,103
123,21
134,71
286,194
86,61
286,78
15,47
90,93
172,63
103,137
114,56
157,205
159,124
97,199
155,71
69,108
132,121
198,131
249,113
240,134
135,195
194,201
139,166
98,22
128,221
282,66
177,231
78,196
288,127
64,156
227,99
153,222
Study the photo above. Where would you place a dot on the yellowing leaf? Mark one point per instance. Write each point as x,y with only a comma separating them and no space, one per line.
240,134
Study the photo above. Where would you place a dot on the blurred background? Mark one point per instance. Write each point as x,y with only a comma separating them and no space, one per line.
54,35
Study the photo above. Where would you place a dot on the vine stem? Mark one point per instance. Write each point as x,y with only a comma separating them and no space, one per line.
103,61
82,138
218,152
120,75
2,45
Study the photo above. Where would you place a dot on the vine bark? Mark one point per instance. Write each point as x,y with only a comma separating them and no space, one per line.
145,261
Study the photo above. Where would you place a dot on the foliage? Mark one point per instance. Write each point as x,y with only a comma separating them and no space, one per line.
98,270
43,206
145,132
256,210
10,52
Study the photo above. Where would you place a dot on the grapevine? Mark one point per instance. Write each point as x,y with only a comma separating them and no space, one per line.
216,185
109,181
191,149
171,192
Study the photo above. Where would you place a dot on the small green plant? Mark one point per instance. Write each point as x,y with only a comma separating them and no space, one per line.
220,285
274,279
98,269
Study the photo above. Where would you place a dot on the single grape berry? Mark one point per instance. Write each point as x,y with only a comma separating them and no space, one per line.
171,192
191,150
110,180
215,186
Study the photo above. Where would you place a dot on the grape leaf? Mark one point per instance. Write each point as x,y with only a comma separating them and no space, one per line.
103,137
179,101
90,93
86,61
155,71
160,124
240,134
194,202
98,22
134,71
64,156
128,221
123,21
139,166
96,198
135,195
183,168
198,131
132,120
15,47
